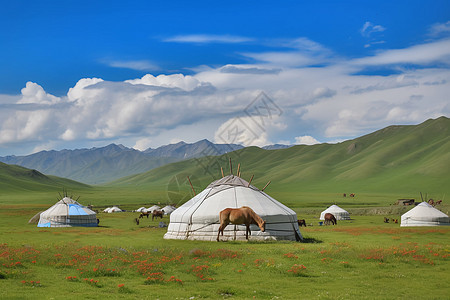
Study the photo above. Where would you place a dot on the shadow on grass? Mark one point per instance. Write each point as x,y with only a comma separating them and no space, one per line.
309,240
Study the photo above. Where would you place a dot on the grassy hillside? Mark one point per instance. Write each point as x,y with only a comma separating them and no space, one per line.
403,160
16,179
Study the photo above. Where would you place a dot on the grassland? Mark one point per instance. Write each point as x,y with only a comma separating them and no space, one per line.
359,259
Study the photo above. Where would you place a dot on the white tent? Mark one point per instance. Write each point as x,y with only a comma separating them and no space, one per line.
141,209
114,209
106,209
154,207
168,209
198,219
424,215
337,212
67,213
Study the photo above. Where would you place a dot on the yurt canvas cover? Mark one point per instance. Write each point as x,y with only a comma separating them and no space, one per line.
424,215
198,219
338,213
66,213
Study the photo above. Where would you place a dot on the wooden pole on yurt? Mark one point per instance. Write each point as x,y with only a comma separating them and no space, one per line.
250,181
231,168
221,170
265,186
239,166
191,186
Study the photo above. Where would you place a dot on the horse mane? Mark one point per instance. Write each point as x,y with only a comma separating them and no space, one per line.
255,216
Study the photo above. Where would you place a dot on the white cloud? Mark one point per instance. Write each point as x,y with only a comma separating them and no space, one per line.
369,28
423,54
143,144
440,29
181,81
208,38
139,65
306,140
34,93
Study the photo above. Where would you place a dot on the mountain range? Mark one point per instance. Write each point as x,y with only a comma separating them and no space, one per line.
104,164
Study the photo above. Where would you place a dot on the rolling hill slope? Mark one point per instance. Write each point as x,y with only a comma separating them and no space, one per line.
402,159
19,179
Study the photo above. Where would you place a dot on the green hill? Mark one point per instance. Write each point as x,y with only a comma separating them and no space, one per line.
396,159
15,179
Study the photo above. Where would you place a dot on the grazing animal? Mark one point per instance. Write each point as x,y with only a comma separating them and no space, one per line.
301,223
352,195
157,213
244,215
329,218
137,221
143,214
431,202
396,221
345,195
386,220
438,202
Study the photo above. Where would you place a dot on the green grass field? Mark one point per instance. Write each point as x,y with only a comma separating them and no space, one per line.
359,259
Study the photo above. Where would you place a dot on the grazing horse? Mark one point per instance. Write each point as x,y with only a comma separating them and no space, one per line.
244,215
386,220
157,213
352,195
438,202
301,223
329,218
145,213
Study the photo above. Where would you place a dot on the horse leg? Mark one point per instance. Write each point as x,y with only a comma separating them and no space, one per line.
220,231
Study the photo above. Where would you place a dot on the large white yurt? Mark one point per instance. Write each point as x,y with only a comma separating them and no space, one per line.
198,219
337,212
424,215
67,213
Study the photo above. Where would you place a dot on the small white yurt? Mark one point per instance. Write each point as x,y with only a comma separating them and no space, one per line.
141,209
337,212
67,213
106,209
114,209
424,215
152,208
168,209
198,219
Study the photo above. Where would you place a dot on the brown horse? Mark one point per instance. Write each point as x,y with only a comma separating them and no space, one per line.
301,223
244,215
143,214
157,213
329,218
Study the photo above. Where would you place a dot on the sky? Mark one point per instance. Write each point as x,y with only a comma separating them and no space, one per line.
82,74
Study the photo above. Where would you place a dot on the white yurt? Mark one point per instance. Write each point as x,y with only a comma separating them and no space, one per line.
424,215
67,213
106,209
337,212
168,209
141,209
198,219
154,207
114,209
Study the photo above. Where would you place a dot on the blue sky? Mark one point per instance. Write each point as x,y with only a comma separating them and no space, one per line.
79,74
